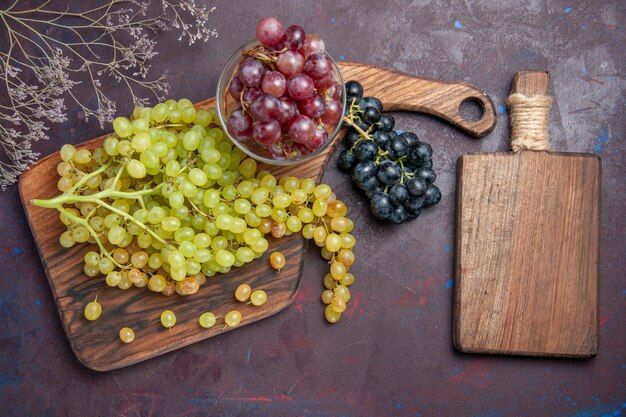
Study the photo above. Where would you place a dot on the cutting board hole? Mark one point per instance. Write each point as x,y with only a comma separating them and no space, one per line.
471,110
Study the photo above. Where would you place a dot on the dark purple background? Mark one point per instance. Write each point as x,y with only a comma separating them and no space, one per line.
391,354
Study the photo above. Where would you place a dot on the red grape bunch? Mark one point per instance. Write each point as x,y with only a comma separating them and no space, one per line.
288,93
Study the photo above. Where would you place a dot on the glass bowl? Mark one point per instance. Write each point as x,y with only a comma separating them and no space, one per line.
226,105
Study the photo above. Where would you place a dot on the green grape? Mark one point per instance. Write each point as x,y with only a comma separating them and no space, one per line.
338,305
176,199
260,246
224,258
202,240
224,221
191,140
105,266
203,118
306,215
207,320
232,318
247,167
242,293
333,242
124,148
202,255
347,280
280,215
113,278
263,210
229,192
211,198
252,235
125,282
322,192
197,177
110,145
144,240
239,225
211,156
308,230
175,115
91,258
259,196
172,168
140,125
192,267
188,114
127,335
141,141
294,224
184,233
168,319
342,292
67,152
244,254
281,201
181,213
213,171
116,234
136,169
82,156
331,315
319,208
347,240
327,296
93,310
242,206
149,159
258,297
170,224
91,271
187,248
155,261
176,259
159,113
337,270
178,274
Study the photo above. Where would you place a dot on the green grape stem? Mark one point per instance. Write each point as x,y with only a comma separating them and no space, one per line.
62,199
86,178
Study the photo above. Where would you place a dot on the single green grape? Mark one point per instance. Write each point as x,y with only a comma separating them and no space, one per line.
93,310
207,320
127,335
232,318
168,319
258,297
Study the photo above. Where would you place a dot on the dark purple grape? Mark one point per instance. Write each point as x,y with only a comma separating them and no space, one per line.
366,150
270,31
294,37
301,129
414,203
266,133
364,170
381,206
354,89
398,194
381,138
312,107
239,125
427,174
432,195
369,184
250,72
397,147
416,186
366,102
288,109
300,86
387,122
351,137
420,152
398,215
274,83
371,115
347,160
388,172
410,137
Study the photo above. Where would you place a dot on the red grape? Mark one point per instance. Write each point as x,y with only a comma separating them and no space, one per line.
336,91
265,107
313,44
294,37
332,112
266,133
318,66
235,88
300,86
276,151
274,83
319,138
250,72
301,128
288,109
290,63
312,107
324,83
251,93
239,125
269,31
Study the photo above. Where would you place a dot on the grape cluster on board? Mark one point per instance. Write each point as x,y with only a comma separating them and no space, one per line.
287,92
169,201
394,169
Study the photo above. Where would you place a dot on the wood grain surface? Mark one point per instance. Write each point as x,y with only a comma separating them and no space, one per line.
527,249
96,344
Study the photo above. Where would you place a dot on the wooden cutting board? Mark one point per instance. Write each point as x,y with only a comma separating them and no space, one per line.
527,246
96,344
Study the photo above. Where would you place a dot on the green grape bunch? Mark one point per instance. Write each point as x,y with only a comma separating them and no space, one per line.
169,201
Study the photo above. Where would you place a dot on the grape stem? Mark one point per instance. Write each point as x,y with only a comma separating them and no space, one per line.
87,177
59,200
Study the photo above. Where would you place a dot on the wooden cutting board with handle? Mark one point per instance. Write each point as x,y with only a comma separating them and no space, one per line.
96,344
527,241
